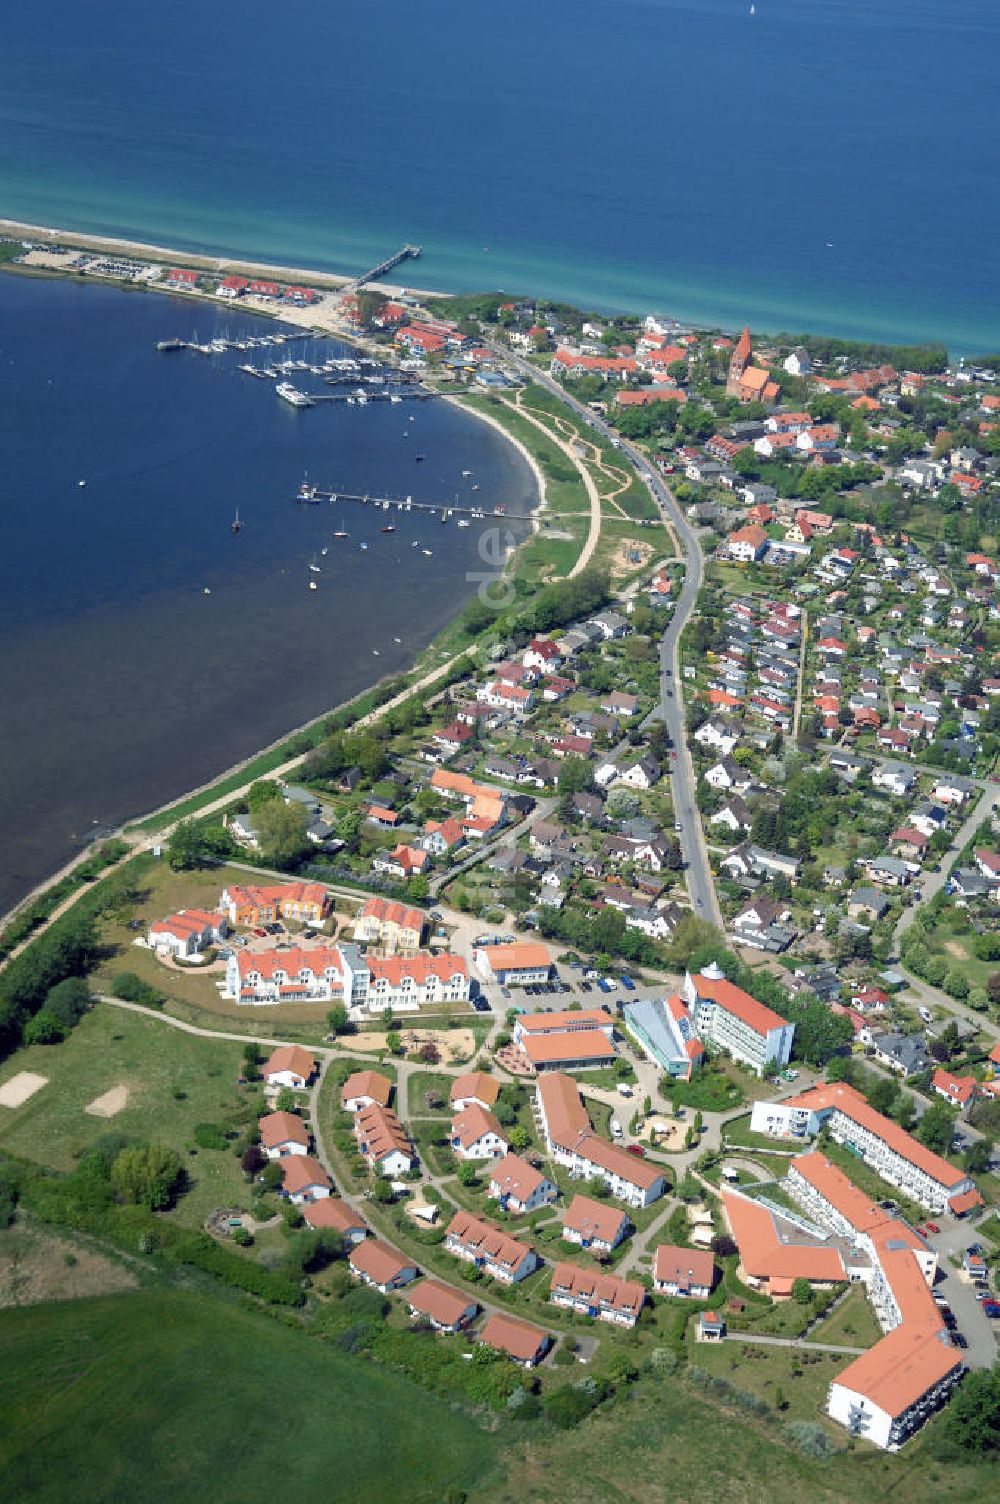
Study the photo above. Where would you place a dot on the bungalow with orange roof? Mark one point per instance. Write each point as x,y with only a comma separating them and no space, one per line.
519,1187
304,1179
485,1245
289,1065
957,1091
475,1086
365,1089
333,1215
517,1340
476,1134
683,1271
443,1308
595,1225
603,1297
283,1133
377,1264
517,964
186,933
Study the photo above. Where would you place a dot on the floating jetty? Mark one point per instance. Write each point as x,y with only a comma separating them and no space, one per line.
310,495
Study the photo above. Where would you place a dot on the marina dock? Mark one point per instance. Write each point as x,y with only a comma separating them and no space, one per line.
310,495
403,254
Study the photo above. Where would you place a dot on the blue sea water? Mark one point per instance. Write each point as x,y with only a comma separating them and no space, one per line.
822,164
122,683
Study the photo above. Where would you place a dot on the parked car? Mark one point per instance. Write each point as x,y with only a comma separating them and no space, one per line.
635,1149
931,1227
991,1308
627,982
586,986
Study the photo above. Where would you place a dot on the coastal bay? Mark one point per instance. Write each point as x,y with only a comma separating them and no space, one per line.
123,683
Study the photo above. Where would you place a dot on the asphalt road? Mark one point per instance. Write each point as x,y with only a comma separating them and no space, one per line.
701,888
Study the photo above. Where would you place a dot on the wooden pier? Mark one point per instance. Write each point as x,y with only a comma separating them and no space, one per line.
403,254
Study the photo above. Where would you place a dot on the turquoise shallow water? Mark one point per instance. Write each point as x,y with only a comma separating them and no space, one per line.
678,154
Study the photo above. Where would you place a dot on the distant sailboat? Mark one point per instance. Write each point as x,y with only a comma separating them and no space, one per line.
313,585
237,523
753,9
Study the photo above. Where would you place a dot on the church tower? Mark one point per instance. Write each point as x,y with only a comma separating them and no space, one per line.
738,364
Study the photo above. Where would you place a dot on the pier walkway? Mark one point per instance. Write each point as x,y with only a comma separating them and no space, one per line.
404,253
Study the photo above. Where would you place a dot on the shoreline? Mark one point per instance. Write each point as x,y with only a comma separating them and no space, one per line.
134,827
198,260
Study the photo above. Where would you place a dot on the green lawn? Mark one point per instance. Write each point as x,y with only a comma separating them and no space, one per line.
174,1081
175,1397
853,1322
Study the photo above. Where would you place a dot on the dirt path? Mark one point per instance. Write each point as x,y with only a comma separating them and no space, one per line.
593,494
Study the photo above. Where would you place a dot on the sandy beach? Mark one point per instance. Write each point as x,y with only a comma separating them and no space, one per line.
142,251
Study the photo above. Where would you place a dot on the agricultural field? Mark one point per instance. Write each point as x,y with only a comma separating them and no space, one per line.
201,1421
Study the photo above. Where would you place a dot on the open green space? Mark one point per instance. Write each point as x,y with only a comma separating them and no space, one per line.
174,1081
174,1397
853,1322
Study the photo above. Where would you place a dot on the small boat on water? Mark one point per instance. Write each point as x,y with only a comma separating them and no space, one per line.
419,457
236,525
313,585
397,639
315,566
81,482
463,522
476,487
426,551
341,535
170,344
325,551
390,529
364,547
206,591
415,543
375,653
466,472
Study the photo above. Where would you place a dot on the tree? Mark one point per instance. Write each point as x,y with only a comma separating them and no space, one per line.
68,1000
260,793
336,1019
285,1100
467,1175
253,1161
44,1028
977,1157
146,1175
394,1041
418,887
883,1094
382,1190
281,831
801,1291
972,1420
956,983
519,1139
936,1127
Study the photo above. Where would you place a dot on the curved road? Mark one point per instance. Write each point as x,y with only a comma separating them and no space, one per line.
670,710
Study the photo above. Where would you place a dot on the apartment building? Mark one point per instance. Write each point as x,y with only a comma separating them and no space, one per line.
497,1254
892,1152
725,1016
604,1297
